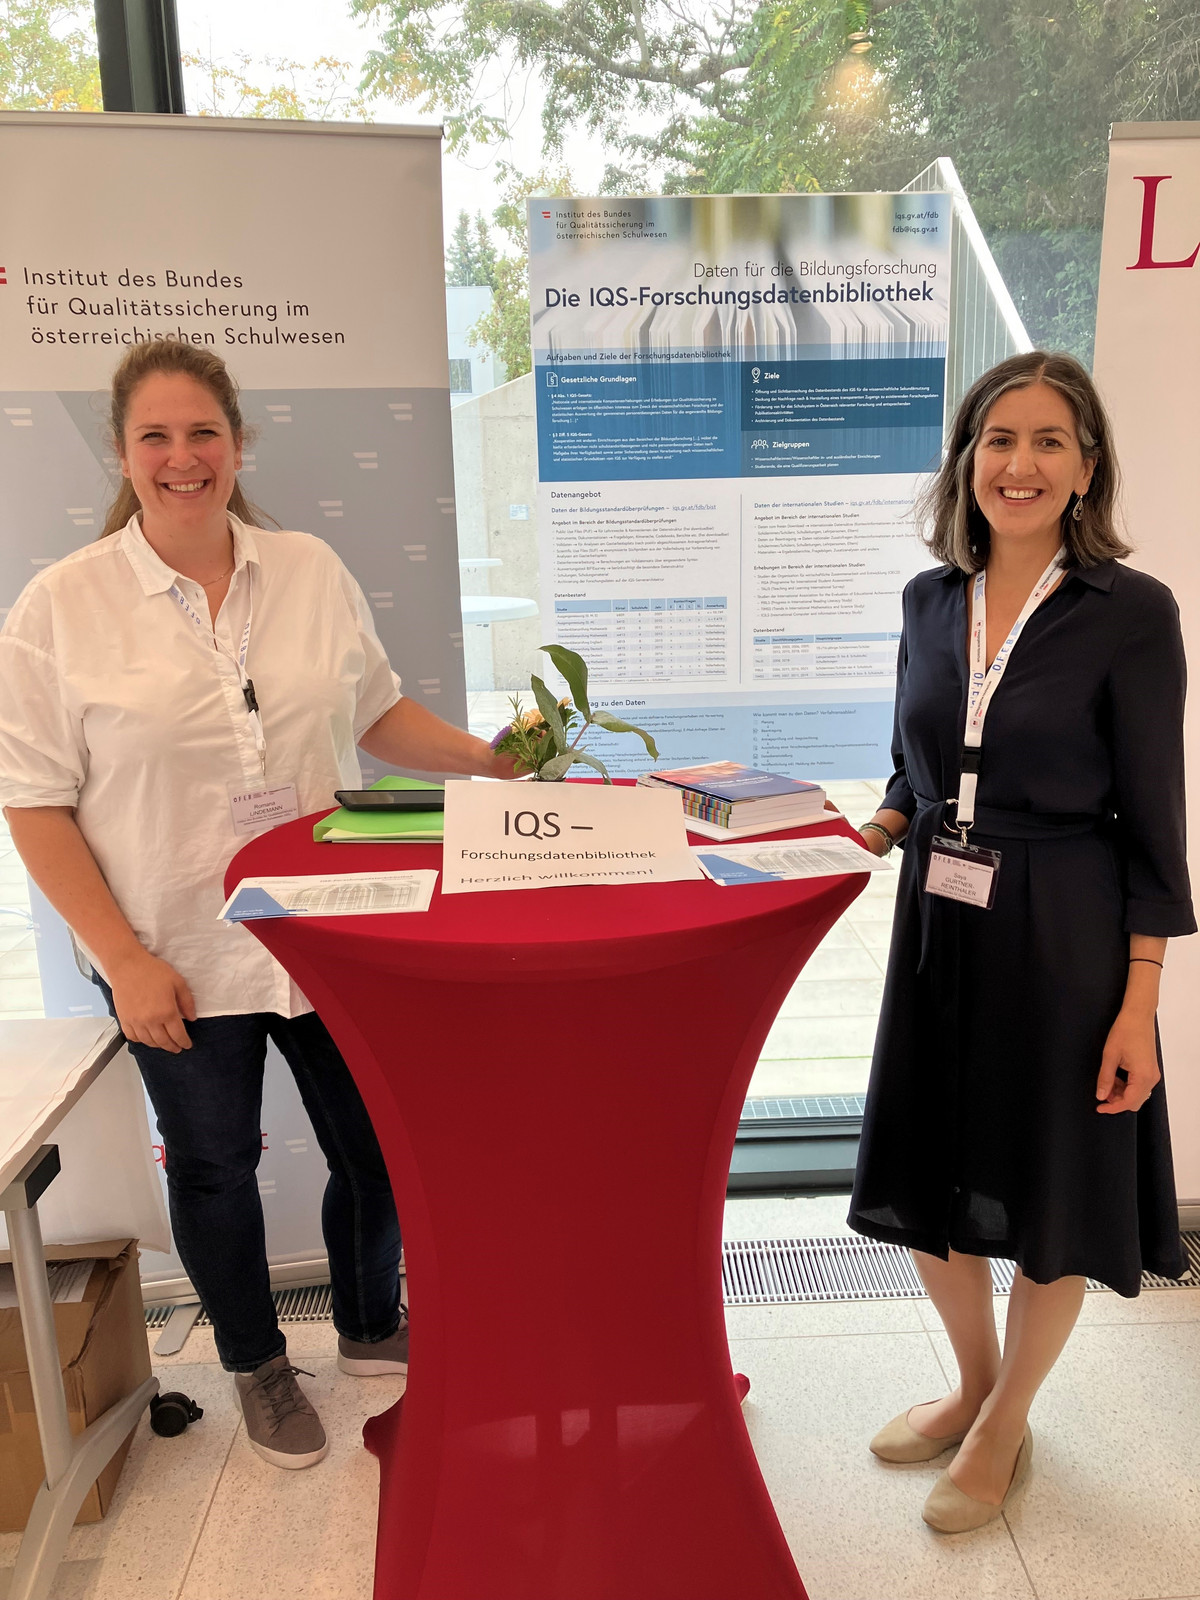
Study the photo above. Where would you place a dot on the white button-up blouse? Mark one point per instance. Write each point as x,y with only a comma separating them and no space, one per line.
113,701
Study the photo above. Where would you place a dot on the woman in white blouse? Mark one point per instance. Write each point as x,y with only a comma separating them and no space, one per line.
161,692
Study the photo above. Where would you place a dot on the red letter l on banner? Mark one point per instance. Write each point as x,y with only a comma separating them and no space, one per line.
1146,247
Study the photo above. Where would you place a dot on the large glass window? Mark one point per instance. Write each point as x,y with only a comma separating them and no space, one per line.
671,97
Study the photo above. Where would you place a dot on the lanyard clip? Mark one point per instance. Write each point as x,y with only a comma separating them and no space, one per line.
972,757
250,697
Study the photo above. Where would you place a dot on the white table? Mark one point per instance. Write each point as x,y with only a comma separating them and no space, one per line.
45,1067
485,608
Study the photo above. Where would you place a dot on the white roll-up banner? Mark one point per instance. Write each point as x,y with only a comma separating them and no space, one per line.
1148,369
309,256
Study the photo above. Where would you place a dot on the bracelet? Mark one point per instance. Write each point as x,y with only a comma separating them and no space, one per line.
880,829
1132,959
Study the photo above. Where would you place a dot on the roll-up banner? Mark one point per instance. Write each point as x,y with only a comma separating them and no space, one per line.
1148,369
310,257
736,400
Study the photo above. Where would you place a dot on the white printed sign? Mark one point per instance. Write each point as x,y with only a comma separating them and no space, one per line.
541,836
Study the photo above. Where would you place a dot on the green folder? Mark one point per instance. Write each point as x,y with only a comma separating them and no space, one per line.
383,827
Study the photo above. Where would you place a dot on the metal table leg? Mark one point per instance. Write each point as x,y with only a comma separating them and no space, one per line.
73,1463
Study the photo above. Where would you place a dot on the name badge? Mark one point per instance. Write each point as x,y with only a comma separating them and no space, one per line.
256,810
963,872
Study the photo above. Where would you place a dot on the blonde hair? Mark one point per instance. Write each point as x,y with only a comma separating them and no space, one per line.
190,361
957,532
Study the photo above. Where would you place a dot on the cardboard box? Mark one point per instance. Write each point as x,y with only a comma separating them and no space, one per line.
104,1355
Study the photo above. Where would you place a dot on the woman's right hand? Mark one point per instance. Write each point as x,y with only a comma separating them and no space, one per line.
153,1003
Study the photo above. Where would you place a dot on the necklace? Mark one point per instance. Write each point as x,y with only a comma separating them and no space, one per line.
219,579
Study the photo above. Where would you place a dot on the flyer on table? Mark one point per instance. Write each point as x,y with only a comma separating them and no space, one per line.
737,399
550,835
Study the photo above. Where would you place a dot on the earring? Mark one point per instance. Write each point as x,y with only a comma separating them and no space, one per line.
1077,510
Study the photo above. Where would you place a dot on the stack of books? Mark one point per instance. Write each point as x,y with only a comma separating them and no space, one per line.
725,800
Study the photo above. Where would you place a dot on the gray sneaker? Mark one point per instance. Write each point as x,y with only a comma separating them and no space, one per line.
281,1424
376,1360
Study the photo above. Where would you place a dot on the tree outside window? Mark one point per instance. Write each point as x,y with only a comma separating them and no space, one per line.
48,59
795,95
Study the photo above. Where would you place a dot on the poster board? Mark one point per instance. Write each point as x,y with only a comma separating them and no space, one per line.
737,398
1148,369
310,257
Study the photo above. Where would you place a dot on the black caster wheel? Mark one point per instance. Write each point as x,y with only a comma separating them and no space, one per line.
171,1413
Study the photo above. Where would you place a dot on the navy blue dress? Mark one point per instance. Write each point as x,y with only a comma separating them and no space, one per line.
981,1131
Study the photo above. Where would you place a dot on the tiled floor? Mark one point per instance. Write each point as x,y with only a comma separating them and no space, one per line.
1111,1512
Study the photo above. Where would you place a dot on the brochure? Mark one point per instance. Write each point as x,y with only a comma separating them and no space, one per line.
335,894
737,864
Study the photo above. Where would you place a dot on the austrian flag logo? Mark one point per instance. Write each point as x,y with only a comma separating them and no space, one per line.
546,214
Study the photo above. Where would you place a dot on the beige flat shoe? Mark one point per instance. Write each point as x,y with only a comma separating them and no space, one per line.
950,1510
900,1441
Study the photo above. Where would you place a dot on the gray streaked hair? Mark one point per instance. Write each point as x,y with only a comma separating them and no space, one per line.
957,532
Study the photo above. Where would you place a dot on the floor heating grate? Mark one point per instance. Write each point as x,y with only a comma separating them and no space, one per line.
804,1108
759,1272
312,1304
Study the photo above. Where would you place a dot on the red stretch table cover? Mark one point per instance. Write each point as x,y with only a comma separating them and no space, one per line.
556,1078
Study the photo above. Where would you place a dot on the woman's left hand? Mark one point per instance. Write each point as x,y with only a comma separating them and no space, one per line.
1130,1048
504,766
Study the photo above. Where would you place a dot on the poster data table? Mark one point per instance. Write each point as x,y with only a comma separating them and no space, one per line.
648,638
556,1079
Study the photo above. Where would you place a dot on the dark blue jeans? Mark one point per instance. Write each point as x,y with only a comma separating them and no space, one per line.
208,1101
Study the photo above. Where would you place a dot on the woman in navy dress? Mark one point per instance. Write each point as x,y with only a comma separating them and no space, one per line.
1015,1107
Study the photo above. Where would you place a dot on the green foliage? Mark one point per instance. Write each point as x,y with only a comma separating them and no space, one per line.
541,740
1020,95
573,669
48,58
683,66
471,258
794,95
505,328
296,91
606,720
754,131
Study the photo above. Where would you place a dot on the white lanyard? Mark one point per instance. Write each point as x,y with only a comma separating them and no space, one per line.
245,683
985,680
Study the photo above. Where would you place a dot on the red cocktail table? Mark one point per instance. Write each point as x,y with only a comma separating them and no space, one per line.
556,1077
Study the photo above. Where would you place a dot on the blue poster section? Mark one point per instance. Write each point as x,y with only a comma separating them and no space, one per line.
722,419
822,741
836,417
638,420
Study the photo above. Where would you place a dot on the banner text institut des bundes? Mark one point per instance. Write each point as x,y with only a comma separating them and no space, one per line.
71,306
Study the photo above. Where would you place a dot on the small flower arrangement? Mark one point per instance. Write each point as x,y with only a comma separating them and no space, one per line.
547,739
